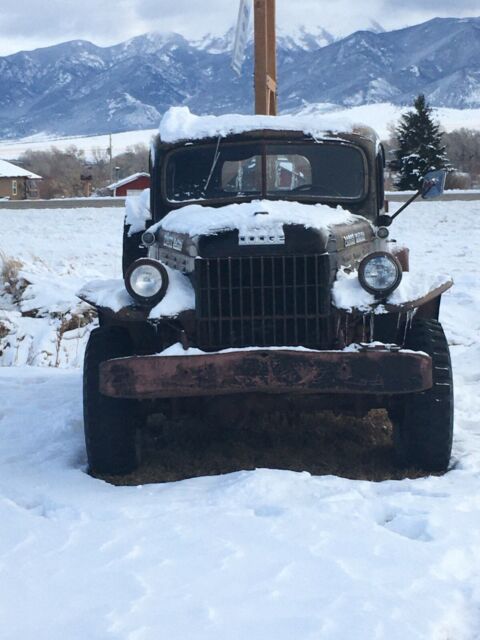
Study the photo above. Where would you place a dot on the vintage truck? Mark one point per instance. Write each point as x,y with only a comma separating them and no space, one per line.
261,265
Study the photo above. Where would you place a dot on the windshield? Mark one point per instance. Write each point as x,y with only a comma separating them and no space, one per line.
332,171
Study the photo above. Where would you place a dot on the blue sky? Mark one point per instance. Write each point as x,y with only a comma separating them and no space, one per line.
28,24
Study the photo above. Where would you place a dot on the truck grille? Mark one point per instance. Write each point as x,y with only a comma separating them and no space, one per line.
262,301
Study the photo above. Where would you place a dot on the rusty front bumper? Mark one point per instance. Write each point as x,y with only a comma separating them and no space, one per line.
267,371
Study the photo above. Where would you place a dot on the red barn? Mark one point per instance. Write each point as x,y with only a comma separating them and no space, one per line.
131,185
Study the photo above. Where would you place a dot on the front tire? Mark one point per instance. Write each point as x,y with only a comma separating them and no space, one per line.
111,425
423,422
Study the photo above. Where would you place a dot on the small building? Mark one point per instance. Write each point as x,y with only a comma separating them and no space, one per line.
17,183
130,186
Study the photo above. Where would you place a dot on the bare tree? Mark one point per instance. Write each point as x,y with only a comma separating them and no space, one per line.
463,148
61,170
133,160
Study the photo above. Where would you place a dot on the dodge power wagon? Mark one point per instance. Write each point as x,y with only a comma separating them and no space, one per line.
261,264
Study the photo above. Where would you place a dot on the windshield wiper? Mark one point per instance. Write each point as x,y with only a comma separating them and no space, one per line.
214,164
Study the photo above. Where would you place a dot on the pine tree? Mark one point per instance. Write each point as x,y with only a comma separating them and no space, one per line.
420,145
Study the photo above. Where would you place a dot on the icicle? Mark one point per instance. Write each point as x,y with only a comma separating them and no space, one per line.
339,327
372,327
413,313
405,330
364,328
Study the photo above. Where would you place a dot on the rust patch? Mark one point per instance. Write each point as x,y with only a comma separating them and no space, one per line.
270,372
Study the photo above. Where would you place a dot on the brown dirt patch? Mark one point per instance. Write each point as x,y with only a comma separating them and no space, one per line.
320,443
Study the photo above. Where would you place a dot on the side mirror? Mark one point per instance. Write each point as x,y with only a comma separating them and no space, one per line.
433,184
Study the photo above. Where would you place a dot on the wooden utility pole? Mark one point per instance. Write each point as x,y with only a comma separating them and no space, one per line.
110,155
265,58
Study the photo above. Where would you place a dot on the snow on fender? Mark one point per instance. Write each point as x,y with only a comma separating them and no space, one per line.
137,212
415,289
112,295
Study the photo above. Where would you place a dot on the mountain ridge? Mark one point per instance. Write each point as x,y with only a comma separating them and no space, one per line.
77,87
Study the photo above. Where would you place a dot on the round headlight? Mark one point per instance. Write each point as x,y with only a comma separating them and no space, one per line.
380,273
146,281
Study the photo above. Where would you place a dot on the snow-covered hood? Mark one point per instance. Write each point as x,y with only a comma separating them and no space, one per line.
249,218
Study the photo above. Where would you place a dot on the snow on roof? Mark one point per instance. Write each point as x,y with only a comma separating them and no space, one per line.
128,179
196,219
179,123
9,170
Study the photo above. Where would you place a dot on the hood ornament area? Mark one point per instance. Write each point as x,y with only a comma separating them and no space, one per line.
267,235
261,237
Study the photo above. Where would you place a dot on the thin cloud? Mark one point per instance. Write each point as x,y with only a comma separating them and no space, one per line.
111,21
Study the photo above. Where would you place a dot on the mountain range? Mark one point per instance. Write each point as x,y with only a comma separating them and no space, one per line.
78,88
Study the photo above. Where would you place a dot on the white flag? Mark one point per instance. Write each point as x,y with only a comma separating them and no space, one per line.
241,35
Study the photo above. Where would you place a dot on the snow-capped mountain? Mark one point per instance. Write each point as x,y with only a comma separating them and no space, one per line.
80,88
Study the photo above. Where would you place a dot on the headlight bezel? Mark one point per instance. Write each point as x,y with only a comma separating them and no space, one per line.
160,294
380,293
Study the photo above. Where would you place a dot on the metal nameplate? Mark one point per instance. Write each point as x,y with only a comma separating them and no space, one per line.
173,241
354,238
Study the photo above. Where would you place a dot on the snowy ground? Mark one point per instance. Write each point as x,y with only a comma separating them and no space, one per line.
58,251
266,554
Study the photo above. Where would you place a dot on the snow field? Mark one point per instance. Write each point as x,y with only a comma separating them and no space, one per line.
381,116
264,555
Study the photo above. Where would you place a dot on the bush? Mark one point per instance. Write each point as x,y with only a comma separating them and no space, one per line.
458,180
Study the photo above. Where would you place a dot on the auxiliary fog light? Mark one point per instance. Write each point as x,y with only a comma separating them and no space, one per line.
146,281
380,273
148,238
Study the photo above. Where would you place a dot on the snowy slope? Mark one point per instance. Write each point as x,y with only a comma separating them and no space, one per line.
379,116
263,555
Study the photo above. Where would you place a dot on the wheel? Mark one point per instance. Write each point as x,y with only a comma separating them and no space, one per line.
132,248
111,424
423,422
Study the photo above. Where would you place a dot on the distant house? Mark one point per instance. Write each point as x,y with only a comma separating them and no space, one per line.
131,185
17,183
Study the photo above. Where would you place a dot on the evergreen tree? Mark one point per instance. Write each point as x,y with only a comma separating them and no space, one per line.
420,147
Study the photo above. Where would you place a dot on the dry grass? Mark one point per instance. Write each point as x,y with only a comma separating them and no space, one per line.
9,272
70,322
3,330
320,443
